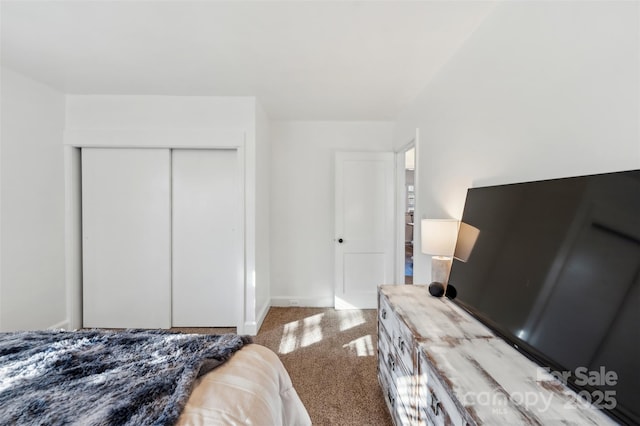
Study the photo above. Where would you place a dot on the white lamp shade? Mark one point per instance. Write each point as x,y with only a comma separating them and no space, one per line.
467,236
439,236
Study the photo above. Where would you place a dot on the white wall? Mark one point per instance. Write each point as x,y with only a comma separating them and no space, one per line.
32,281
115,111
185,122
540,90
302,203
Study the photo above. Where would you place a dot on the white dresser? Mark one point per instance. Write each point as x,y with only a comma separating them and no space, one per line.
439,365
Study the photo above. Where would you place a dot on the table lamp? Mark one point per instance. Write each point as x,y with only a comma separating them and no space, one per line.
439,240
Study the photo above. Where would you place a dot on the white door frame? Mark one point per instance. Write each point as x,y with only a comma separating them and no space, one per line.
400,203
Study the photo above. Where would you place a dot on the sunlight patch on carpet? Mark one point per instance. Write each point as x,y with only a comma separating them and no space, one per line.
312,332
362,346
288,342
350,319
300,334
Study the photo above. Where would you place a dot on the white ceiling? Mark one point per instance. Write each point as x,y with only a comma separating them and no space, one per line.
303,60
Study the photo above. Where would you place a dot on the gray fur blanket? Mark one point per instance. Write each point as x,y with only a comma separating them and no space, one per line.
93,377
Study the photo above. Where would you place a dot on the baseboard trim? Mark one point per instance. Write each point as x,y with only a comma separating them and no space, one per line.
250,328
262,315
61,325
305,302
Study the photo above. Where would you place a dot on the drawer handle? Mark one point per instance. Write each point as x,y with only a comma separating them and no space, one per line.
384,314
392,400
391,362
401,344
435,404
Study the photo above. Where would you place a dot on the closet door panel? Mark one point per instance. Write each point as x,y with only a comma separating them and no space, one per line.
126,227
207,257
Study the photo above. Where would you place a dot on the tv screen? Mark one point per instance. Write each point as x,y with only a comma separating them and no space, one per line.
555,270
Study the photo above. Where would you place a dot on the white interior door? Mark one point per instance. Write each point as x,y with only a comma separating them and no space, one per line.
126,238
207,260
364,219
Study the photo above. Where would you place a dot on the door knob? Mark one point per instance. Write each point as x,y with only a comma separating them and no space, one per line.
340,240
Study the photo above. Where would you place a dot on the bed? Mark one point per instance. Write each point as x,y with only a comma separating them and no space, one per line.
251,388
138,377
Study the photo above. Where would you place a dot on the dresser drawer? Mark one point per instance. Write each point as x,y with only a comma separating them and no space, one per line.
386,358
386,316
405,346
402,380
439,406
397,375
392,397
401,337
435,402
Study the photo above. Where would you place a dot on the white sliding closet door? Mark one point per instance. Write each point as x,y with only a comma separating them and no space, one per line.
126,227
207,246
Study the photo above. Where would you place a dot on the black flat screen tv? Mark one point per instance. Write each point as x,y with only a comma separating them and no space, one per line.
555,271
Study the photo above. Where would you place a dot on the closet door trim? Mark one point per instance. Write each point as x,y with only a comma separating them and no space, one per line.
76,138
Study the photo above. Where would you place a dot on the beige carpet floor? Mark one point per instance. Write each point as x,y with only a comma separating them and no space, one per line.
331,358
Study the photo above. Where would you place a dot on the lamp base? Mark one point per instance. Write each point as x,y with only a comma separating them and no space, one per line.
440,269
436,289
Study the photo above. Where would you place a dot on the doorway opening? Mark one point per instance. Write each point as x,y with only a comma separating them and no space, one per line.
409,210
406,210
